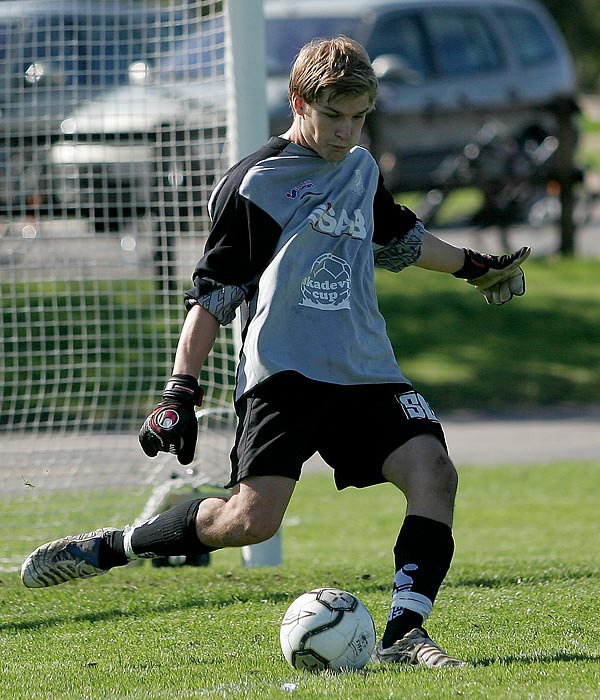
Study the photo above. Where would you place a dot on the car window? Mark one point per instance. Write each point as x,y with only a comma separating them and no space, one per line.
285,36
462,43
110,49
529,39
67,51
200,56
401,34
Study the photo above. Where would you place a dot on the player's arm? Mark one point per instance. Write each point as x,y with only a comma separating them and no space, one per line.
196,341
498,278
400,240
439,255
172,426
223,280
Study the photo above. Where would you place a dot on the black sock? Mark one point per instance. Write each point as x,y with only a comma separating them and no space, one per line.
171,533
422,557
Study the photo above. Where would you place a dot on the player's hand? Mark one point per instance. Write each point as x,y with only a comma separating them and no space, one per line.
172,426
498,278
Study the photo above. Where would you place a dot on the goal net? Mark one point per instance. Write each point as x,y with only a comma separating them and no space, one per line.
116,124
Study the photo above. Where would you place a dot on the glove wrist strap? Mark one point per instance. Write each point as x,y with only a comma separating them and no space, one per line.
475,265
184,389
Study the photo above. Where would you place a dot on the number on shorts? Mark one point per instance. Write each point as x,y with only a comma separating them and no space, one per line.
415,406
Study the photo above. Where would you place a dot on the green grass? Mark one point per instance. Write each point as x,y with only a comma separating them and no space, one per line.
458,207
90,339
542,350
520,603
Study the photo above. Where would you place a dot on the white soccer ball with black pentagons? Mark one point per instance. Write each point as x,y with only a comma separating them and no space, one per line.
327,628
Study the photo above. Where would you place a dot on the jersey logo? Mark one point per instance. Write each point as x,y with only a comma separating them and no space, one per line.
325,219
295,191
357,184
328,284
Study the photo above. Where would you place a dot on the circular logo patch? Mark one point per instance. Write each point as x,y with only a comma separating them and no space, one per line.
327,285
167,419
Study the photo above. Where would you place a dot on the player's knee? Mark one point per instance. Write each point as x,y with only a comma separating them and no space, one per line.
259,528
445,476
423,466
439,472
254,524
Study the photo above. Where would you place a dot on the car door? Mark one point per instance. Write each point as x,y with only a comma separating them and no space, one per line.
455,78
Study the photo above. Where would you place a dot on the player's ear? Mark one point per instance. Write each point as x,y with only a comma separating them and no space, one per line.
298,105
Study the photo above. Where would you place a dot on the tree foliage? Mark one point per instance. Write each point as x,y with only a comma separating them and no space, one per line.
579,21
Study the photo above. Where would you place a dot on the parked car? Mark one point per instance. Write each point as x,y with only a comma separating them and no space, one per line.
53,59
446,68
154,142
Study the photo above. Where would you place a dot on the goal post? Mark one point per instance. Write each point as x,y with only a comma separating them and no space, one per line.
128,125
248,126
246,70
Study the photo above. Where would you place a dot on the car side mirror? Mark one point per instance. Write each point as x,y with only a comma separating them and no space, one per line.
392,67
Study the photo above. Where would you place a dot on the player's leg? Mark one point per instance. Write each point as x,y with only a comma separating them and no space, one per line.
422,470
272,442
252,514
399,439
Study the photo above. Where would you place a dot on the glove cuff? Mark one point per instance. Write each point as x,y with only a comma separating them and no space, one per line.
184,389
475,265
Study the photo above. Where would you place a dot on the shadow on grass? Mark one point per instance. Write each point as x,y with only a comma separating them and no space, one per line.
509,580
551,658
140,612
541,350
495,581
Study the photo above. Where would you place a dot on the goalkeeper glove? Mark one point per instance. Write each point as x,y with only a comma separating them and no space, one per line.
498,278
172,426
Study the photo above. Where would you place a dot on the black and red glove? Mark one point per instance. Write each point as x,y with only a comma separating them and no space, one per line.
172,426
497,277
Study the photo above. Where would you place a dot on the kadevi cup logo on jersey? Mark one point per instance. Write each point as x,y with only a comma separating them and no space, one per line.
328,284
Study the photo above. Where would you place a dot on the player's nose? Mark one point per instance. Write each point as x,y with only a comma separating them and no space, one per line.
344,129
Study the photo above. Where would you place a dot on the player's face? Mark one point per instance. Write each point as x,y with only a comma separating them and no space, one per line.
332,127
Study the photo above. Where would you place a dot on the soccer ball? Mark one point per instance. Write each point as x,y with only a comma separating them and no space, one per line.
327,628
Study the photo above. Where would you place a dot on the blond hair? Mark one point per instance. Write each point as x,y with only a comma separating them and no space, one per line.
340,64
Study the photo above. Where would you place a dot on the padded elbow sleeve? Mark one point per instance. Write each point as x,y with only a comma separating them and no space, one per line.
223,302
400,253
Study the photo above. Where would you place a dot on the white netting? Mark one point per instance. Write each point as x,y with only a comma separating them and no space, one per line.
113,134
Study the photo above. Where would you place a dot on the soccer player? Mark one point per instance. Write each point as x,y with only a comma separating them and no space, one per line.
297,229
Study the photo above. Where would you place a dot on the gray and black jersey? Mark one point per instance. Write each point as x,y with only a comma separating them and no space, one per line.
294,238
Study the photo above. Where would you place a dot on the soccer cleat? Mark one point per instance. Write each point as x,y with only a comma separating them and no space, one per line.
74,556
415,648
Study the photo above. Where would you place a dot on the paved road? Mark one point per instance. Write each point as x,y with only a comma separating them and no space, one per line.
544,241
27,245
526,440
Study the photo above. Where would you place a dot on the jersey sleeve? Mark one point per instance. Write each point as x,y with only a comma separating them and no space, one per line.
397,234
241,242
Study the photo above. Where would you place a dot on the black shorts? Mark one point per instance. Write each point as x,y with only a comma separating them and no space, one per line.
288,418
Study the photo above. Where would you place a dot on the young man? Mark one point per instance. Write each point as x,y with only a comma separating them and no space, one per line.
296,230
